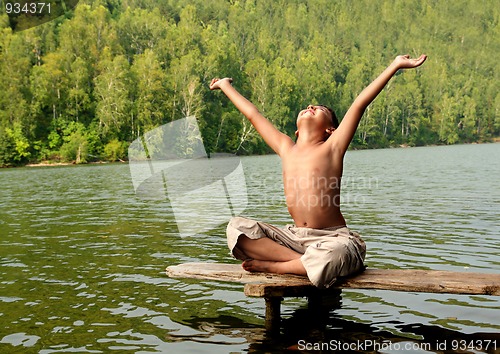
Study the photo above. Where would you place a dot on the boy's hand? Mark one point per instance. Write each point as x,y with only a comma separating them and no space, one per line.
404,61
216,83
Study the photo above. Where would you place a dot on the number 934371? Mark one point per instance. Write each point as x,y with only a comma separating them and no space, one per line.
29,8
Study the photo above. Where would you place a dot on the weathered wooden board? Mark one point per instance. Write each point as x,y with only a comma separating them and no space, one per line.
408,280
231,273
427,281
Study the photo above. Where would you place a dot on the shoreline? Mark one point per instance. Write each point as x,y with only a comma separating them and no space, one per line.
401,146
58,164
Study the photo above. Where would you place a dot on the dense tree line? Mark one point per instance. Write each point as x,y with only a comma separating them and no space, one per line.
83,86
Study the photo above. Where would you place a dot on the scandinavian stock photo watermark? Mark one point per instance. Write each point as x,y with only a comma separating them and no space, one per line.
310,191
171,163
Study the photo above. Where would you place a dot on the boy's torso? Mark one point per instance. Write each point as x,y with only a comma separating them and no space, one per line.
312,178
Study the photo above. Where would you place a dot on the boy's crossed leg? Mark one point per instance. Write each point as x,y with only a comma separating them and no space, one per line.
269,256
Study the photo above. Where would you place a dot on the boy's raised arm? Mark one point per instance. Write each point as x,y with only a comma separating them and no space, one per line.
343,135
272,136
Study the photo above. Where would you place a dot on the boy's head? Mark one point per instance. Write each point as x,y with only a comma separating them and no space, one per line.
335,122
324,117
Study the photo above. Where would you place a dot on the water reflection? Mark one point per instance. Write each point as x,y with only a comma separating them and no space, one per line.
306,330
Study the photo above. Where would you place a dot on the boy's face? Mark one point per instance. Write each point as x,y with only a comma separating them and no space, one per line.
318,114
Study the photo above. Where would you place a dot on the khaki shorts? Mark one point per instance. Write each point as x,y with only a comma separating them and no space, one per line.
326,253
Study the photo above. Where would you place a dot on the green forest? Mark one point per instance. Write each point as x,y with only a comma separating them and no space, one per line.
82,87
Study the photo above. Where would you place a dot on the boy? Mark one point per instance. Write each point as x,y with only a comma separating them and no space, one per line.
319,245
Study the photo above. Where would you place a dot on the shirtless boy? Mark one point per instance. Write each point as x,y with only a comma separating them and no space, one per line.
319,245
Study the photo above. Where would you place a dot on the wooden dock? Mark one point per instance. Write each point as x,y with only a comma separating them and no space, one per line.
274,287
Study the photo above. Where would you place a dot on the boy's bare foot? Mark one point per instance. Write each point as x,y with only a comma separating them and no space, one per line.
253,265
291,267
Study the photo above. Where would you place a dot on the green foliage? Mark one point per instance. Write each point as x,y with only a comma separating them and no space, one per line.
21,143
85,85
115,150
75,145
74,148
8,154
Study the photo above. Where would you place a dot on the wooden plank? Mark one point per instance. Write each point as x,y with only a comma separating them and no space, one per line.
409,280
427,281
231,273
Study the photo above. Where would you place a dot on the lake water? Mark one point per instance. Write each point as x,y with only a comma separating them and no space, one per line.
82,259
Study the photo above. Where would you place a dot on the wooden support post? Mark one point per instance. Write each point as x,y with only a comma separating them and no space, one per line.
273,313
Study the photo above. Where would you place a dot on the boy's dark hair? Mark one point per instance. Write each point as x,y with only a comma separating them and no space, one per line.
335,121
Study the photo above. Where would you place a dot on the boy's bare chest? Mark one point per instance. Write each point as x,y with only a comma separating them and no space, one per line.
310,165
